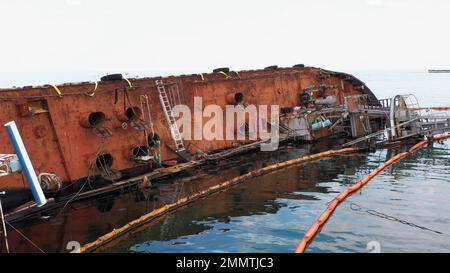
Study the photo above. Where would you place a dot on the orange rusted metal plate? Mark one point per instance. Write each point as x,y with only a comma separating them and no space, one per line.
58,142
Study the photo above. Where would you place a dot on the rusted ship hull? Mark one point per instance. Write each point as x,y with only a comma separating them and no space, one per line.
85,221
96,132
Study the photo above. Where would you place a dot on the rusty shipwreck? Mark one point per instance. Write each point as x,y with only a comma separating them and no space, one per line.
87,137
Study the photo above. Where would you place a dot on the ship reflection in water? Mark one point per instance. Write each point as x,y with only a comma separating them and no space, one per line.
268,213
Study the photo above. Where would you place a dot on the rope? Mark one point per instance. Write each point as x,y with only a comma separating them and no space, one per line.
129,83
225,74
87,181
178,93
5,234
89,177
144,99
325,216
356,207
25,237
56,90
91,94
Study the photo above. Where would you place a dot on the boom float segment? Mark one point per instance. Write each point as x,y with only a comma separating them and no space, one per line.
116,233
325,216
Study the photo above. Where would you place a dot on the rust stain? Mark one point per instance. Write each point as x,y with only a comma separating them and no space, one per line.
64,139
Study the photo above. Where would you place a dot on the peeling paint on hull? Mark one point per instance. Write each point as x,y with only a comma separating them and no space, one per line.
58,135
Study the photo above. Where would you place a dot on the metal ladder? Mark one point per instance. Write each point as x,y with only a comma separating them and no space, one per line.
165,103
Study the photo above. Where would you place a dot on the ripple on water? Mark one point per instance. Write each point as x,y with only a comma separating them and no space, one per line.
272,217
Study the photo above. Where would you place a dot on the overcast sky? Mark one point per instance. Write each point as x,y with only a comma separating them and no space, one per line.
96,36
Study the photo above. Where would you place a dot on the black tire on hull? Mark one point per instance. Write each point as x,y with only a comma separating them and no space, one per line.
112,77
222,69
272,67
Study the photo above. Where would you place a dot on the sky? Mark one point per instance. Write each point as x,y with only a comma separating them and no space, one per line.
81,39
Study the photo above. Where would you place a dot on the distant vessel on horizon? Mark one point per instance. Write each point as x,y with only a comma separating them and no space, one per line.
438,70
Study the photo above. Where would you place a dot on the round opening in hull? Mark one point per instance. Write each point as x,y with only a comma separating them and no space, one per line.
133,113
140,151
238,97
104,161
96,118
152,140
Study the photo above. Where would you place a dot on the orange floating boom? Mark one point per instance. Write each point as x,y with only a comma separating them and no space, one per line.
437,108
203,194
323,218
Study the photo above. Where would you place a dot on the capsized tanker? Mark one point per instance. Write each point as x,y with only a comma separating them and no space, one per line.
95,133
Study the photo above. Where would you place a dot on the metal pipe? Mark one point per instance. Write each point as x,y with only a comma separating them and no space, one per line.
25,161
3,222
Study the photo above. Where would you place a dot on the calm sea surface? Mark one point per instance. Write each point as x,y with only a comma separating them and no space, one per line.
404,209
